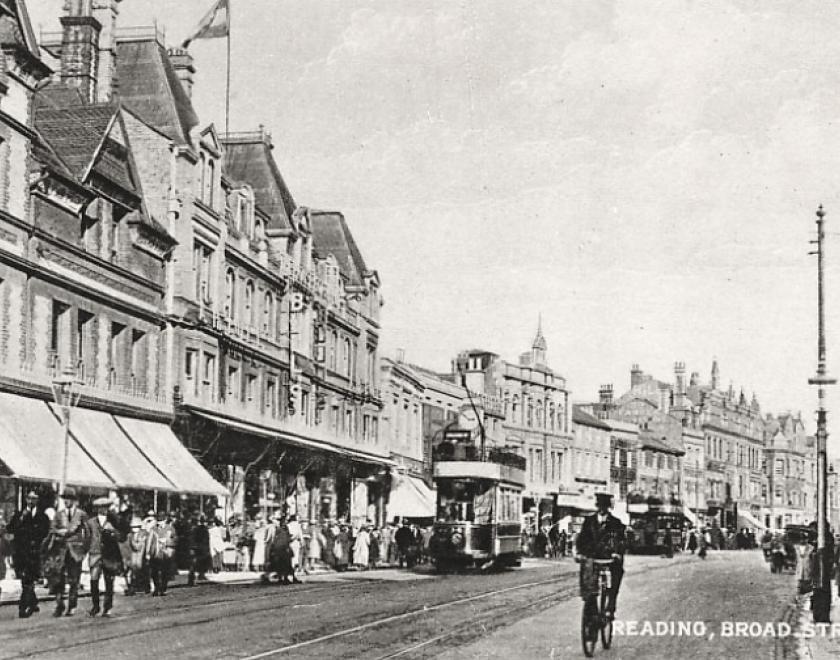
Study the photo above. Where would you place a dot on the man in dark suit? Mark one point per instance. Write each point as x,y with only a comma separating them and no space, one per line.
160,552
602,536
70,526
105,558
30,527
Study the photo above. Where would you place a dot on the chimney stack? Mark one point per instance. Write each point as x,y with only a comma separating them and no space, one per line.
182,62
635,376
88,47
106,12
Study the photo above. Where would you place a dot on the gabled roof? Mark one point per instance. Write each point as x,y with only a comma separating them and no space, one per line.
248,159
16,28
79,138
580,416
331,236
149,86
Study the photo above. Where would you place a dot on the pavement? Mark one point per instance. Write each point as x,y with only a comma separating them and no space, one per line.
817,642
688,606
10,587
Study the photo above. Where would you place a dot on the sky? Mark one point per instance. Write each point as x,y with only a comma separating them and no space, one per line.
644,175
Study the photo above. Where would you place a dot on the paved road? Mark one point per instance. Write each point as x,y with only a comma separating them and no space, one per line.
728,586
394,613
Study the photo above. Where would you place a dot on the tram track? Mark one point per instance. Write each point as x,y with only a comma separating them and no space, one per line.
231,605
466,616
462,632
426,609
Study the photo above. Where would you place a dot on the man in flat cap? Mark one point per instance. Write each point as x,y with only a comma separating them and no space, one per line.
602,536
30,527
70,526
105,558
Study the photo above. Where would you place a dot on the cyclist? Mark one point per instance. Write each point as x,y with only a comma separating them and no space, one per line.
602,536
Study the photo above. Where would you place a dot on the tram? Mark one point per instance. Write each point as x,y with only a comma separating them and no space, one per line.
654,525
479,506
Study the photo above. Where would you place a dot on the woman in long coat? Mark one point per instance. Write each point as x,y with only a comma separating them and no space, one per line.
327,554
280,553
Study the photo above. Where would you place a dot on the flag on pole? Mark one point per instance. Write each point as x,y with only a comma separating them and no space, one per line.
214,24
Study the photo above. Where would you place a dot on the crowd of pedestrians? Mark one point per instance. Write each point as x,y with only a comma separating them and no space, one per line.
48,547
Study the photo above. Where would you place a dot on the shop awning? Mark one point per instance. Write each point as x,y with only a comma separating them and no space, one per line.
411,498
748,520
111,448
32,445
691,517
162,448
294,439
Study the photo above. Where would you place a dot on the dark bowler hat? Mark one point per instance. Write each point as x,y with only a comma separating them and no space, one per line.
69,493
606,498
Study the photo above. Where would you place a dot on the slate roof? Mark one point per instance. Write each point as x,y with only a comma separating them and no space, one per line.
75,135
650,441
149,86
580,416
251,161
331,235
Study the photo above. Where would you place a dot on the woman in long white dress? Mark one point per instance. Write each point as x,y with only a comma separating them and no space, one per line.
259,544
361,548
316,543
217,544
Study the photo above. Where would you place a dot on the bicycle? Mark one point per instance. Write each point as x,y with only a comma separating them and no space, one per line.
595,619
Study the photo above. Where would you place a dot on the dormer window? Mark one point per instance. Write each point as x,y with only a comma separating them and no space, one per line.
245,216
206,180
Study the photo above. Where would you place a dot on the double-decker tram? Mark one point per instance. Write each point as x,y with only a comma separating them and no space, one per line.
479,504
655,525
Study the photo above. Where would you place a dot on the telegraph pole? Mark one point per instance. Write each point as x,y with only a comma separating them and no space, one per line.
821,597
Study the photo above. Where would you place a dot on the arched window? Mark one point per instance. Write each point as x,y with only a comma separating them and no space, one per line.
211,180
230,293
258,228
551,417
250,308
268,314
201,176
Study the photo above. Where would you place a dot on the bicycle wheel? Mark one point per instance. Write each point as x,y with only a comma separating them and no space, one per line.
606,621
589,626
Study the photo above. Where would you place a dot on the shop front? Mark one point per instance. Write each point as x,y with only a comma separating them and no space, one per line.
268,470
142,461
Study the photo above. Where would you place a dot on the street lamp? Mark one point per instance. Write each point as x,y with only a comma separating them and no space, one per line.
66,393
821,598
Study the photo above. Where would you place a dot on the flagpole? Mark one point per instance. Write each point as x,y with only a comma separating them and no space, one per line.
227,81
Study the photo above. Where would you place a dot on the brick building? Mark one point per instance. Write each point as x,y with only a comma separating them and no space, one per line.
82,265
265,315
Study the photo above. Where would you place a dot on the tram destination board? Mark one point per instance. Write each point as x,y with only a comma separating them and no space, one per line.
457,435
